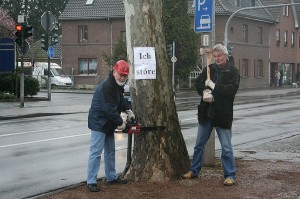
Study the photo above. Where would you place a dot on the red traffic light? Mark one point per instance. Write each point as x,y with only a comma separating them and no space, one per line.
18,27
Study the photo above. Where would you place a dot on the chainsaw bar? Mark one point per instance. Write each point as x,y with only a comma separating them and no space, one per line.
137,129
152,128
133,127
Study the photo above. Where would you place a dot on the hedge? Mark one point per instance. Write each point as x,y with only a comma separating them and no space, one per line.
10,83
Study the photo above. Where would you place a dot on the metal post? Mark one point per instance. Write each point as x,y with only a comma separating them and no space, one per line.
22,71
209,151
129,159
49,72
22,62
249,8
173,67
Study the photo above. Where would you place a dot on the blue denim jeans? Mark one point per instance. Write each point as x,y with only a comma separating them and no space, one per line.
100,141
228,162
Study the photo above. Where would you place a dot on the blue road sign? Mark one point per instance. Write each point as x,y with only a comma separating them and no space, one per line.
51,52
203,15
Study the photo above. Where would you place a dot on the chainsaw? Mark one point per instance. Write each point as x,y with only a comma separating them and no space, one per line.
134,127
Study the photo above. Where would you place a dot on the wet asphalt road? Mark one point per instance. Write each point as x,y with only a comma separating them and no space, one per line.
39,154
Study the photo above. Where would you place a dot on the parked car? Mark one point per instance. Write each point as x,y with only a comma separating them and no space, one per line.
58,77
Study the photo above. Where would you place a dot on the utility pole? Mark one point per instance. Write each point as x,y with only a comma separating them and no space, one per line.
22,61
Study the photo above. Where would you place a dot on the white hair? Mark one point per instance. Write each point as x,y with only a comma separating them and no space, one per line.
221,48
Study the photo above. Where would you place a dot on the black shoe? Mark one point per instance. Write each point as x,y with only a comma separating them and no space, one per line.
117,181
93,188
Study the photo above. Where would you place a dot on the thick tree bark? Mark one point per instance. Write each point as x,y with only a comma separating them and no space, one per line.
158,156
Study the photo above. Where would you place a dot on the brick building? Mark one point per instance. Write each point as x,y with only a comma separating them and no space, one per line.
91,27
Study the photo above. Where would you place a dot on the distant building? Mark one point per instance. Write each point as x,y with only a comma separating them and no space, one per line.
284,42
91,27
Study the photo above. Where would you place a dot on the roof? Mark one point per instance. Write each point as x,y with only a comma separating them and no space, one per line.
276,11
226,7
99,9
37,52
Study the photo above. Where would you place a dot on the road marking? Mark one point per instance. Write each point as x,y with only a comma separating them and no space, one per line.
46,140
21,133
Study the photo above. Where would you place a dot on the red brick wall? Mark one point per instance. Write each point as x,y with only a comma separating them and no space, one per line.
99,40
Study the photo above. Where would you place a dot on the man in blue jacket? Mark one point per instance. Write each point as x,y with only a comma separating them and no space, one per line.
216,111
104,117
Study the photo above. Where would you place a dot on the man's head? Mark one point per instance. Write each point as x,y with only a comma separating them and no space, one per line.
120,72
220,54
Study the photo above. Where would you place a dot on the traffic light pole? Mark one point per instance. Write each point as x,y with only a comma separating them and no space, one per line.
249,8
22,72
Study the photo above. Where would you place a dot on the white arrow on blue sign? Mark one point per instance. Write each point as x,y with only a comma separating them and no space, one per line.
50,52
203,15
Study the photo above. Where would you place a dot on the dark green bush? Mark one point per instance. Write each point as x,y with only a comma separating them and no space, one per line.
6,96
7,82
10,83
31,86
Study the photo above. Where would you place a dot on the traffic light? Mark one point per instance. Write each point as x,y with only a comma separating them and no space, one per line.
54,39
230,50
27,31
44,41
18,35
170,50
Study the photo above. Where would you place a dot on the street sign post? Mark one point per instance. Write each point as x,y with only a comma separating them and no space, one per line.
203,16
48,23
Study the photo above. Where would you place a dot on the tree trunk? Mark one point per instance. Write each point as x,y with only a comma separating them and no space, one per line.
158,156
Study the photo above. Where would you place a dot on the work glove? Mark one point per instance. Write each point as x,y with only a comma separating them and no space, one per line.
121,127
210,84
130,115
207,96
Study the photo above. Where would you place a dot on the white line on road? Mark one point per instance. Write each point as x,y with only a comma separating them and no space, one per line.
22,133
46,140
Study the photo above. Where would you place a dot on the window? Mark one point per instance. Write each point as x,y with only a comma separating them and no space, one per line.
237,3
258,68
293,39
259,35
88,66
245,64
285,38
245,33
83,33
252,3
286,11
277,37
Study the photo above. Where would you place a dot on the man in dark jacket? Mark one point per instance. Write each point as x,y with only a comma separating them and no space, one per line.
104,117
216,111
